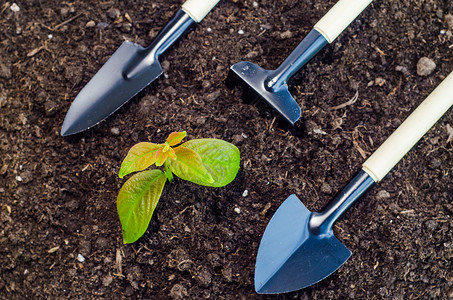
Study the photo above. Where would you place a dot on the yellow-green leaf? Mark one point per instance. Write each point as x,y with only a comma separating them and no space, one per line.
175,138
188,166
219,157
140,157
136,202
161,156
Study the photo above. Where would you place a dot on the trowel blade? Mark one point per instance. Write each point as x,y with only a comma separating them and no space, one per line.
109,89
290,257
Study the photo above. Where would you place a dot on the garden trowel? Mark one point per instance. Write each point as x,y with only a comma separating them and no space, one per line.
271,85
129,70
298,247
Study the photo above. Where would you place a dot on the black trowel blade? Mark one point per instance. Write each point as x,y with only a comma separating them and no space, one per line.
109,89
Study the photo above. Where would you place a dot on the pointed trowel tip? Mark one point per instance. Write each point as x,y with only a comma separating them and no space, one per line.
66,132
69,128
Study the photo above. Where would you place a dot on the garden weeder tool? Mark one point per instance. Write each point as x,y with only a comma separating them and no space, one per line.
271,85
129,70
298,247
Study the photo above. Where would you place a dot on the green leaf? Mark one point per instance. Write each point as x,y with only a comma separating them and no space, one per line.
175,138
188,166
161,156
140,157
136,202
220,158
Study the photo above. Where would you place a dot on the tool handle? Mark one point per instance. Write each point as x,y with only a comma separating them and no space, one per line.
410,131
198,9
339,17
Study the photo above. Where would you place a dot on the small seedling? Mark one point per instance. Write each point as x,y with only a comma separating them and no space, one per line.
208,162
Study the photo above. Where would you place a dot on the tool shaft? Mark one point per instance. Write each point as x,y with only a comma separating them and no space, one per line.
172,32
308,48
322,222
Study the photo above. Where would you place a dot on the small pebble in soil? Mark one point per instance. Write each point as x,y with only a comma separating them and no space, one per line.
115,131
90,24
80,258
165,65
72,272
383,194
209,29
241,31
379,81
18,178
126,27
102,25
449,21
255,4
425,66
64,12
14,7
107,280
402,69
113,13
237,210
245,193
5,70
326,188
286,35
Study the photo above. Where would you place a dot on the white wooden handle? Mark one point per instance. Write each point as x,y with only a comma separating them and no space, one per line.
410,131
339,17
198,9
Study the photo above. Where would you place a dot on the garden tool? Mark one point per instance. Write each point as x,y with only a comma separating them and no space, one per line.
271,85
298,247
129,70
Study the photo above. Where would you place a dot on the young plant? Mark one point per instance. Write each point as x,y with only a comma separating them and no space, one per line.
208,162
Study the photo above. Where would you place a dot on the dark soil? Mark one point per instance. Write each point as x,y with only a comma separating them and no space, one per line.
58,195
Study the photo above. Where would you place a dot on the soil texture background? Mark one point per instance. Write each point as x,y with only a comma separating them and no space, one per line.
58,194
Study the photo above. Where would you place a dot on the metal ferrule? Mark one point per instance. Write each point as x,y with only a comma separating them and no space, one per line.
308,48
322,222
172,32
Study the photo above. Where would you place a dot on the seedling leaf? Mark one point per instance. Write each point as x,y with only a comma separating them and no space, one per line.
140,157
189,166
136,202
161,157
221,159
175,138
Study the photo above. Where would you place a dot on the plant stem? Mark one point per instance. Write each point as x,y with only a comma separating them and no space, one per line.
168,173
